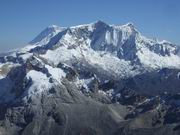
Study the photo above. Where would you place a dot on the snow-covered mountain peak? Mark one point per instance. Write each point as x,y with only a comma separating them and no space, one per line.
130,24
44,37
125,42
53,27
99,41
127,25
100,23
130,28
164,42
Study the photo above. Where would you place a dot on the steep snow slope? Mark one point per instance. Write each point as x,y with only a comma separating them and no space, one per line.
43,38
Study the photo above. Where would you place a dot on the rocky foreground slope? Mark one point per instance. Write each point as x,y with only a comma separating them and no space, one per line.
93,79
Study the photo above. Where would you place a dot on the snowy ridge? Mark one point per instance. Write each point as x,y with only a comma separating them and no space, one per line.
123,42
108,51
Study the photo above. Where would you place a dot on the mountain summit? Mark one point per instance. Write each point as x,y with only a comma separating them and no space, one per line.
110,79
122,42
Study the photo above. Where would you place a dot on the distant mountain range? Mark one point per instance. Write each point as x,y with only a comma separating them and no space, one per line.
92,79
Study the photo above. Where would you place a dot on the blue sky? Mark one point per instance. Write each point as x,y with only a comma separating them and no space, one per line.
22,20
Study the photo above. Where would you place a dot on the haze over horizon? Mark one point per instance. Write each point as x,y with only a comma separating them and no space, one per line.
22,21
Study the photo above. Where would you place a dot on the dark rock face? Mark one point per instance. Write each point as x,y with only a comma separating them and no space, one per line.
33,63
2,60
156,82
71,74
17,76
172,116
129,97
11,59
